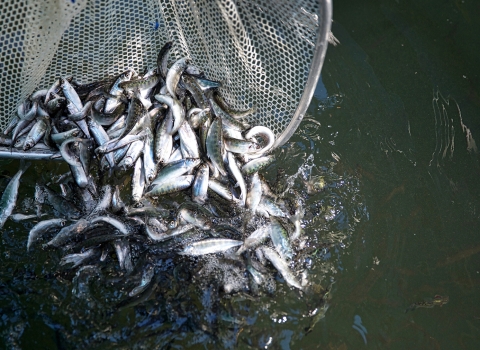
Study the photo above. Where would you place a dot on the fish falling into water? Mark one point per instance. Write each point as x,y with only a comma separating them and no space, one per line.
170,133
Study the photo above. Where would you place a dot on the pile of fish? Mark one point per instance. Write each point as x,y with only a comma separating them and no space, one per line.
193,165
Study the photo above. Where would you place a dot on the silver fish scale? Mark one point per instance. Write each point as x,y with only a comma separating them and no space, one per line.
278,52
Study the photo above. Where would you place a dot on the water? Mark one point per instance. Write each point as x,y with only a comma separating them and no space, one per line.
391,131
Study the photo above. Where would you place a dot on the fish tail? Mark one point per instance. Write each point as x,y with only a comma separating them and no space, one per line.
24,165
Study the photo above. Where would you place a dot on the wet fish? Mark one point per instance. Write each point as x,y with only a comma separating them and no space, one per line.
174,170
282,267
195,219
215,145
133,153
42,227
116,91
122,248
147,276
120,226
149,165
255,194
210,246
188,141
68,232
79,258
257,164
235,171
164,140
60,204
177,109
162,59
10,194
35,134
267,136
138,180
280,240
171,185
174,74
255,239
67,154
437,300
200,184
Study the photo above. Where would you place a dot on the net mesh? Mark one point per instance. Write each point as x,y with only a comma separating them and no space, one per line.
260,50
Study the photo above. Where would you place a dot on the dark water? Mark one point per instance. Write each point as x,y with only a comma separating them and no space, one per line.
392,131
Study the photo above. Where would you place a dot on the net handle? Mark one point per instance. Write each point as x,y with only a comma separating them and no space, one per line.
314,73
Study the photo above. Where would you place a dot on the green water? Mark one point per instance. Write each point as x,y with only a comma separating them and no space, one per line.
392,129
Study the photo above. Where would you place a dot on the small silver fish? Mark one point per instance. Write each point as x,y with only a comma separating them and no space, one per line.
200,184
210,246
170,185
42,227
10,194
282,267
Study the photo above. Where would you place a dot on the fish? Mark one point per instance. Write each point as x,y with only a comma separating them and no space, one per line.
200,184
116,91
135,112
10,194
164,140
60,137
255,194
240,146
237,114
437,300
133,153
79,258
74,104
60,204
196,219
220,189
255,165
226,118
177,109
147,276
266,134
174,74
162,59
170,185
149,164
122,248
282,267
67,233
188,141
35,134
174,170
118,206
138,180
235,171
41,228
209,246
215,145
104,202
120,226
255,239
280,240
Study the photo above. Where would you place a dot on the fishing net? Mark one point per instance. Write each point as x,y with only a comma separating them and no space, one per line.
267,54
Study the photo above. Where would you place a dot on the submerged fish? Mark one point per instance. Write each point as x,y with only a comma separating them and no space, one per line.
437,300
10,194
